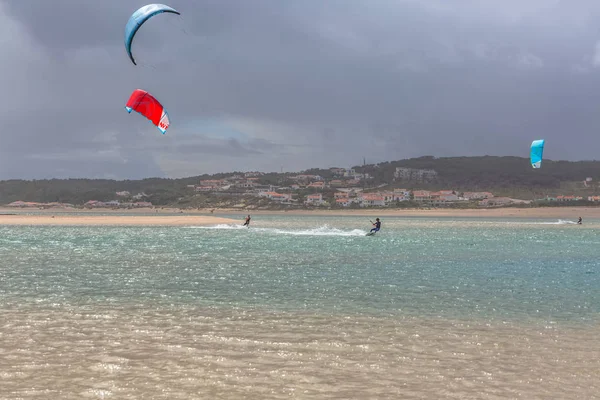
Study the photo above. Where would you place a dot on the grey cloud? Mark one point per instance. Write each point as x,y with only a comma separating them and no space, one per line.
308,83
230,148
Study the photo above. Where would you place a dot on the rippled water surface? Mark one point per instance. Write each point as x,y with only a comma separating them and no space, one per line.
302,307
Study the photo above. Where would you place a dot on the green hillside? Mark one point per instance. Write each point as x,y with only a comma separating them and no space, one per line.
508,176
512,176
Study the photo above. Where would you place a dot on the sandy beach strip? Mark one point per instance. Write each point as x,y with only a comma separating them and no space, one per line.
568,213
139,217
112,220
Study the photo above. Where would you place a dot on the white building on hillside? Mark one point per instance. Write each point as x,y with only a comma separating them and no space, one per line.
314,199
414,175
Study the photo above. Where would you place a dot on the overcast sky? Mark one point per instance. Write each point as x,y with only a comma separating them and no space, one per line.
271,84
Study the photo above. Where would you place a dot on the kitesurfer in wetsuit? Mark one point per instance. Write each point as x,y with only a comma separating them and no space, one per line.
579,222
377,225
247,223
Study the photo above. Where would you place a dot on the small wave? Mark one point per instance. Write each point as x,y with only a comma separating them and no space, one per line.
220,226
559,222
321,231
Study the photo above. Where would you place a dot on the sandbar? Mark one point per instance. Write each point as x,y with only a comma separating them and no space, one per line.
112,220
506,212
176,216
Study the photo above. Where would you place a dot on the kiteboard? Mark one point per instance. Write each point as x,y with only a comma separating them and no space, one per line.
370,234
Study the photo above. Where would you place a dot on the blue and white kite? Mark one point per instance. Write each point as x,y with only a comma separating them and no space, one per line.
138,18
537,150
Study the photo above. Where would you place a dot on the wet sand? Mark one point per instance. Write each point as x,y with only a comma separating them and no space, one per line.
141,217
112,220
540,212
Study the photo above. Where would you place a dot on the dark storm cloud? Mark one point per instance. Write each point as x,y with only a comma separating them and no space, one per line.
294,84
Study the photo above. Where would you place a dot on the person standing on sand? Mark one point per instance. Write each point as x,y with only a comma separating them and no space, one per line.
247,223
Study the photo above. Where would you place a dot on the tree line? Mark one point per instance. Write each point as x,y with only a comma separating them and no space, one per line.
502,175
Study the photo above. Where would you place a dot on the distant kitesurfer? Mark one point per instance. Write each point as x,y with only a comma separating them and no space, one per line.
579,221
377,225
247,223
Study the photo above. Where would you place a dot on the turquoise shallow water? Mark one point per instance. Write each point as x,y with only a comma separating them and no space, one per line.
302,306
459,268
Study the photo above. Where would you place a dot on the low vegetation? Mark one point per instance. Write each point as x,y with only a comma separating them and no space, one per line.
504,176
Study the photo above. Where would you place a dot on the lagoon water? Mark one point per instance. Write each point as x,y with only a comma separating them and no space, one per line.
302,307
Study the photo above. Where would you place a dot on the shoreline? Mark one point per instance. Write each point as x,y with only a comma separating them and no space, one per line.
542,212
111,220
202,216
